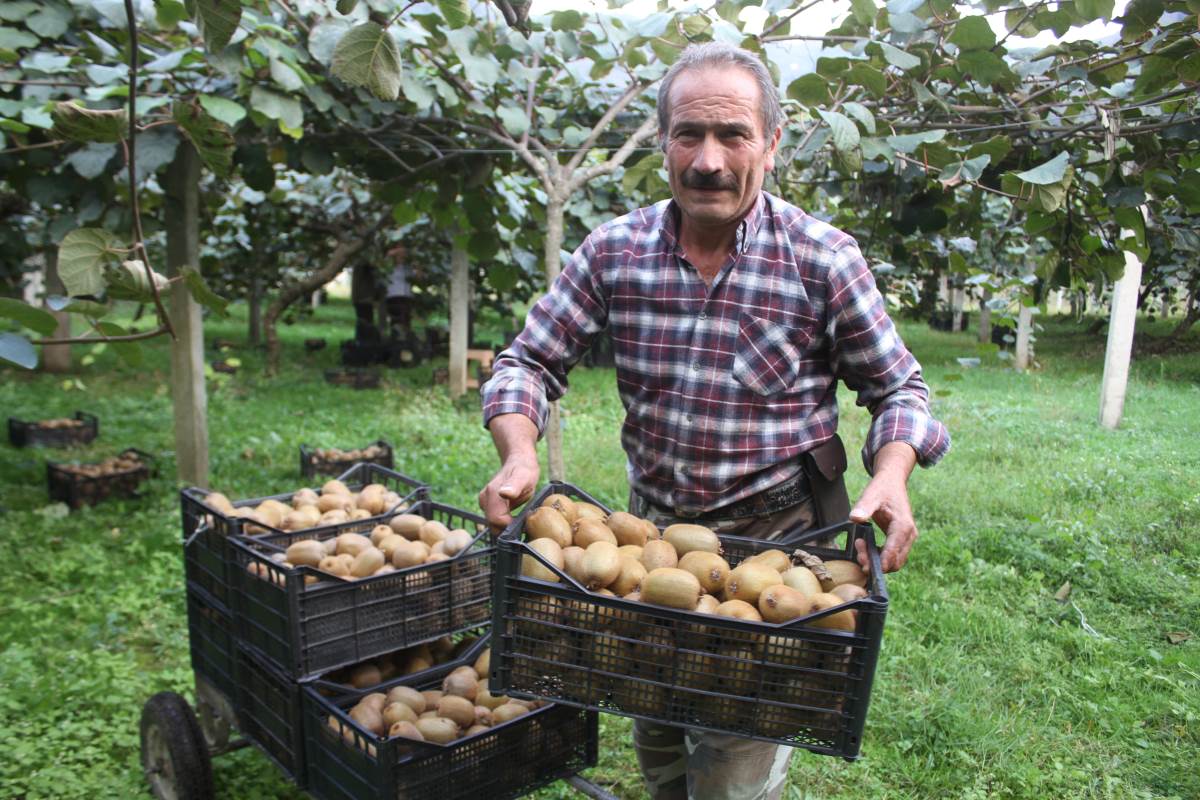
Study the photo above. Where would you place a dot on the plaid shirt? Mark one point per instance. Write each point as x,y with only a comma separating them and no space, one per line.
724,387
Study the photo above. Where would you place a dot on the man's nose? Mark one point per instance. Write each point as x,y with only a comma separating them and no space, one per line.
709,159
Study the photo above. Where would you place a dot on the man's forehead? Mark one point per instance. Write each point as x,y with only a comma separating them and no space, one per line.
715,84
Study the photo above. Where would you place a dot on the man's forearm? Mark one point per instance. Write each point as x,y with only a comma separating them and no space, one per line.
896,459
515,437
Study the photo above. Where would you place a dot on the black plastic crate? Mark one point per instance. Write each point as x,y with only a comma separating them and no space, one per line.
32,434
269,713
353,377
789,683
206,530
78,490
211,637
313,462
346,762
310,629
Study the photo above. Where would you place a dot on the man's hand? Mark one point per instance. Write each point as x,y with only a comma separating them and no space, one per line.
512,486
885,501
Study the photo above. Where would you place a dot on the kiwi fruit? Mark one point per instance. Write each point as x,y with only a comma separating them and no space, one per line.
589,511
398,712
365,675
775,559
436,557
366,562
588,531
407,525
563,505
407,695
632,550
370,499
432,696
306,552
483,716
219,502
369,718
659,553
352,543
377,700
573,563
334,502
601,564
438,729
474,729
738,609
334,566
846,572
708,604
272,512
379,533
432,532
483,664
334,517
652,531
462,682
488,700
547,523
296,521
406,730
409,554
675,588
802,579
686,538
748,580
456,542
629,578
508,712
359,514
456,708
627,528
335,487
849,592
389,543
709,568
304,497
782,603
549,550
841,621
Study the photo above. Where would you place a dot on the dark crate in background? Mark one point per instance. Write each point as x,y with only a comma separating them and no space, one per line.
269,712
313,463
353,377
211,637
78,490
790,683
32,434
307,629
346,762
206,531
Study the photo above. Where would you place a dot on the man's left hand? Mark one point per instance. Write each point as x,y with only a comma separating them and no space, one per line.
885,502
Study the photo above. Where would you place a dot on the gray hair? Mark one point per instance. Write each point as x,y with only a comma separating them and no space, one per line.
718,54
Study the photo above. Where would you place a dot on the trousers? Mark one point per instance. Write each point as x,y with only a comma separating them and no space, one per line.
685,764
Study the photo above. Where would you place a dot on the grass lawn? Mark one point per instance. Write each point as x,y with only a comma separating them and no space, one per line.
988,687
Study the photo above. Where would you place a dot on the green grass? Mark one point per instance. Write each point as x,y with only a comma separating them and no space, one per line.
987,686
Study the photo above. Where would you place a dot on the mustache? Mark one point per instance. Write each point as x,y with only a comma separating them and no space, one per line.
710,180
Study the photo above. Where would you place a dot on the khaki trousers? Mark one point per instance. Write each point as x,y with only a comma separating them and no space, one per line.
687,764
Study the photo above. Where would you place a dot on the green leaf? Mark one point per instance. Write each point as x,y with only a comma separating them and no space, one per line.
16,349
346,6
844,132
973,33
1188,68
986,67
50,22
997,147
906,143
128,281
316,159
202,294
869,78
218,21
635,174
223,110
212,139
1094,9
130,352
276,106
1050,172
1187,191
417,92
695,25
514,119
810,90
78,124
368,56
482,71
863,11
87,308
862,114
899,58
285,77
81,259
17,10
36,319
569,20
968,169
169,13
13,39
457,13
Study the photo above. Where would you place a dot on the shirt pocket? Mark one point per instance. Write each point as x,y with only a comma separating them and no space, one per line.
766,356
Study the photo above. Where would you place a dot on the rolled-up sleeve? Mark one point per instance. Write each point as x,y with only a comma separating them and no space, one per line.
532,372
870,358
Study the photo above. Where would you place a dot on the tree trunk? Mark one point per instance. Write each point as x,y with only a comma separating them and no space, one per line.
957,298
255,311
929,294
985,318
553,263
460,309
1120,340
346,249
56,358
188,392
1024,354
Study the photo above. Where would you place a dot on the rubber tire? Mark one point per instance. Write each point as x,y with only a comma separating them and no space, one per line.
187,751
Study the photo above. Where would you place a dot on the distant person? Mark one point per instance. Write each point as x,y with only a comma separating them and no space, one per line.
364,294
399,294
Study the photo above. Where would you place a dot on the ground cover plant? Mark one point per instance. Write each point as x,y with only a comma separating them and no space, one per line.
997,678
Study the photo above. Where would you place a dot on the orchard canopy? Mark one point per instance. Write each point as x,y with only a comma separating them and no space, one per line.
977,141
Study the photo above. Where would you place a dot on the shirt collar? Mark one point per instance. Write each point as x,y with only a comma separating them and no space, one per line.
745,230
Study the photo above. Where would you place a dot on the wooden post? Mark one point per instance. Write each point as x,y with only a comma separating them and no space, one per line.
188,392
460,300
1024,353
985,318
554,433
957,299
255,310
1120,339
55,357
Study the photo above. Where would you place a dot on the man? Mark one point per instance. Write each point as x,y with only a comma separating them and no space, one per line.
733,315
399,295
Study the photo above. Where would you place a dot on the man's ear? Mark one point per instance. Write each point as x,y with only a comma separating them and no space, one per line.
772,146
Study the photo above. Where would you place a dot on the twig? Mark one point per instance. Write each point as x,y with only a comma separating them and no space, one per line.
785,20
22,147
132,337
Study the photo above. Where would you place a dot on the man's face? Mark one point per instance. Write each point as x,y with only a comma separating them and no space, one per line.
717,153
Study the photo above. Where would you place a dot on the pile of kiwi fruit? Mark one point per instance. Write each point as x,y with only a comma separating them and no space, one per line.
59,423
462,707
333,504
620,555
408,661
113,465
405,540
368,453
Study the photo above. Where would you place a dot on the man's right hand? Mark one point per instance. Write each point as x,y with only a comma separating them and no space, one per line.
512,486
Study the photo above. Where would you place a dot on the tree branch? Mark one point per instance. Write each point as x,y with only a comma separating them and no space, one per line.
644,131
631,91
132,337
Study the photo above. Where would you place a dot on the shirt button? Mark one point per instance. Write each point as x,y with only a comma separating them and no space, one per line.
695,366
688,419
703,315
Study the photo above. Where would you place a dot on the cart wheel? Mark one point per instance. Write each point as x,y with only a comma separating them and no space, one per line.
174,754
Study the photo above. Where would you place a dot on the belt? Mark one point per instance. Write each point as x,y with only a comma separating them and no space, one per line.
786,494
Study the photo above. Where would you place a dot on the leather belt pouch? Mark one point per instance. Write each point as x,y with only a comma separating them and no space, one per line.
826,468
